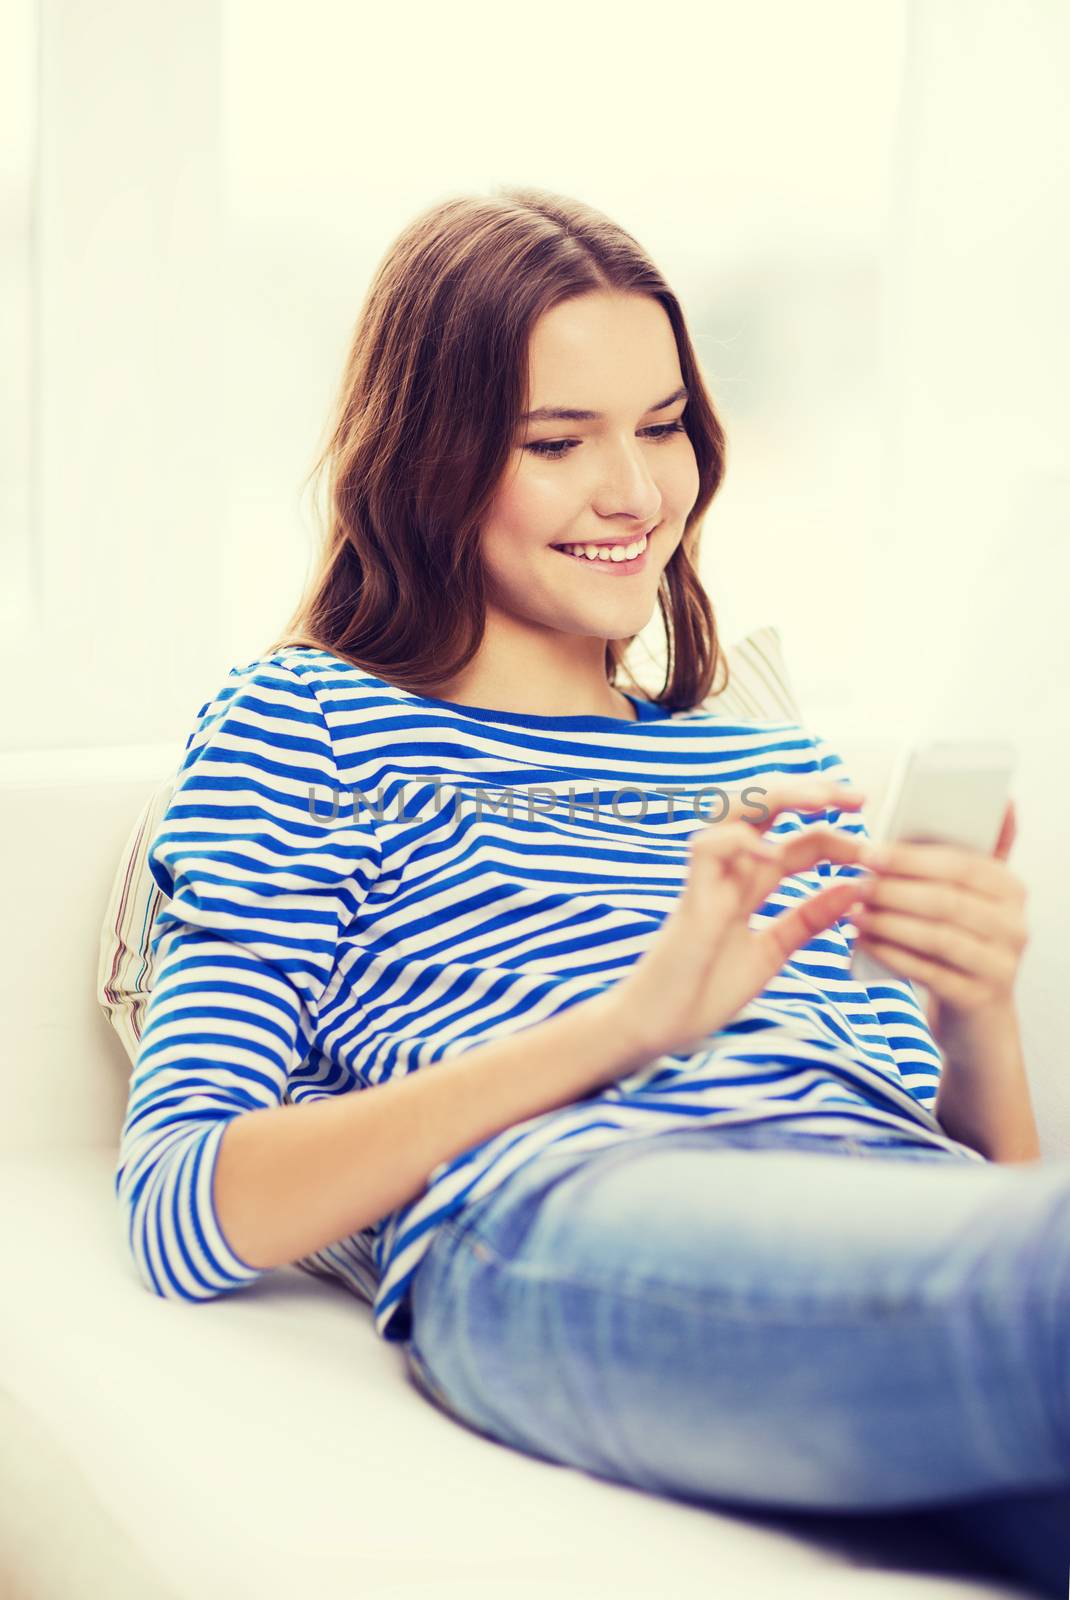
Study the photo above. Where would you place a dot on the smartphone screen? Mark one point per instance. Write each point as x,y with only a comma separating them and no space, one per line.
952,792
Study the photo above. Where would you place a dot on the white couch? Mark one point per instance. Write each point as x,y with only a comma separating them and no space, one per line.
268,1443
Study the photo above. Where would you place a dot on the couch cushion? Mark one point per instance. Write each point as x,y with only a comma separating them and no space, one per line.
63,817
270,1444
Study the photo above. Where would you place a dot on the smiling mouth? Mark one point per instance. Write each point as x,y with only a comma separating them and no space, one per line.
627,554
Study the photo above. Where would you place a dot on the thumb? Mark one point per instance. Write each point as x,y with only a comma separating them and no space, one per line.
1007,833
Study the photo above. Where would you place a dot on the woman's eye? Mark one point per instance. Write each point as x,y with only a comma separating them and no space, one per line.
557,449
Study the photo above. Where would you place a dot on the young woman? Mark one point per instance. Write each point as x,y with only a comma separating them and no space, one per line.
590,950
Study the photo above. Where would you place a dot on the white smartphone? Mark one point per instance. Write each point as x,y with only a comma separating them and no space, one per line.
948,791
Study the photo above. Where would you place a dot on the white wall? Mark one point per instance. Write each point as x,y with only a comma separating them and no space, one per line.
128,483
758,177
868,226
213,197
18,125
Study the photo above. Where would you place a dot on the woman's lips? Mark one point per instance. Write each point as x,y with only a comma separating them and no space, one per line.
607,563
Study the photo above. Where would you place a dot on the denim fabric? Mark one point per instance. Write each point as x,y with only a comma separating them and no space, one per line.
742,1317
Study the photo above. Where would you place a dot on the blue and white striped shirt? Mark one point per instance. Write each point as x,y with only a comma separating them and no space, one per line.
363,881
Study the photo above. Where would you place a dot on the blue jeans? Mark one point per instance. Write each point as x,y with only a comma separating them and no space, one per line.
743,1318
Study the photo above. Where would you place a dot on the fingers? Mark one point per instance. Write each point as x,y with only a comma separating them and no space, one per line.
792,929
739,865
724,861
822,842
1007,833
760,804
734,845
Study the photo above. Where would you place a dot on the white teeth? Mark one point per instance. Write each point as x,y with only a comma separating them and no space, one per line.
595,552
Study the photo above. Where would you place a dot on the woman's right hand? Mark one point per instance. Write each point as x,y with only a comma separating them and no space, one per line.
705,962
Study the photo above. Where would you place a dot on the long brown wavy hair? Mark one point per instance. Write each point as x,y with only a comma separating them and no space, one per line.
426,421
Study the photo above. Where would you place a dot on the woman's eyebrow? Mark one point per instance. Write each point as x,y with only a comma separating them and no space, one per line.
570,414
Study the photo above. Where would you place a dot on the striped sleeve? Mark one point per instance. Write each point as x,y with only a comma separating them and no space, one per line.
262,860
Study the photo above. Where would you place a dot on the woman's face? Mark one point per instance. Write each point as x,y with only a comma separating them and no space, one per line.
600,479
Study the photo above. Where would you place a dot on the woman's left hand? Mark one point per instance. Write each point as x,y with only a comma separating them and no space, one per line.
952,918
